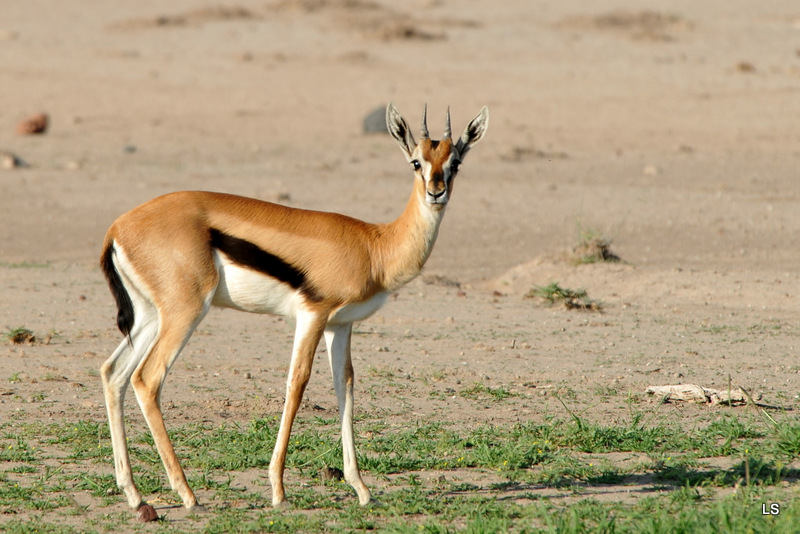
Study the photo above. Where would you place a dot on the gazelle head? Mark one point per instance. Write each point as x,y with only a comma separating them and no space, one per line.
435,163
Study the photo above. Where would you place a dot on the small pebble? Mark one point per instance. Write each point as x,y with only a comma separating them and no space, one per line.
146,513
10,161
37,124
331,473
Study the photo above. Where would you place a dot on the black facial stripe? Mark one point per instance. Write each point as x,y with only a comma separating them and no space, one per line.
246,253
454,168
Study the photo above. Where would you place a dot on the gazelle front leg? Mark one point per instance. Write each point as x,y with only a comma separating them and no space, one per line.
337,339
308,332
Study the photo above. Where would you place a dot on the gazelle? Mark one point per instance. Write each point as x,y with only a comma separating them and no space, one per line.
170,259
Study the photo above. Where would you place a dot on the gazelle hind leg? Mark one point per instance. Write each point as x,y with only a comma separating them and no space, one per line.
116,375
337,339
308,332
148,380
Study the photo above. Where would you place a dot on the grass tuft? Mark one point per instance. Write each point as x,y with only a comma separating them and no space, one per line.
20,335
571,299
593,247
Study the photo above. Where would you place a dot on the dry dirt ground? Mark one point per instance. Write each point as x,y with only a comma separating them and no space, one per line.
670,129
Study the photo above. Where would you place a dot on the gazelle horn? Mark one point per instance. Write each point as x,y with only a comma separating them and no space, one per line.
447,131
425,134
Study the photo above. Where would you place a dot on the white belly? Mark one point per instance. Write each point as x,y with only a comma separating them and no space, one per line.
244,289
358,310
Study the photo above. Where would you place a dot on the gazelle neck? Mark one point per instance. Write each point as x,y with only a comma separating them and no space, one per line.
403,246
400,249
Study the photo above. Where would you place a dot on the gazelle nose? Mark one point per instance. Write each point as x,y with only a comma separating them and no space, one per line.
437,194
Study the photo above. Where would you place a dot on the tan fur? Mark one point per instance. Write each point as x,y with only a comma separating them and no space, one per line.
346,259
436,152
163,255
438,155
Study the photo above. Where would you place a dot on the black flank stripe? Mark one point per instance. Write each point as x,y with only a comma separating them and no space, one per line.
246,253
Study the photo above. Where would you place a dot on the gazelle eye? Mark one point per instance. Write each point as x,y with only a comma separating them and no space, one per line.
416,164
454,166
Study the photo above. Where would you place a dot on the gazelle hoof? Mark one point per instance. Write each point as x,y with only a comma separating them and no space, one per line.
197,509
281,505
371,502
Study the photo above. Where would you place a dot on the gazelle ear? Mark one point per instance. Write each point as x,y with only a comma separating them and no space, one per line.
473,132
398,128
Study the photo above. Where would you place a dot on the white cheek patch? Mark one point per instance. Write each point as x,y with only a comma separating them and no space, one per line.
427,169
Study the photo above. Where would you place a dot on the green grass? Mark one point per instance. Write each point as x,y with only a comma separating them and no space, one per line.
572,299
20,335
24,265
481,391
432,476
593,247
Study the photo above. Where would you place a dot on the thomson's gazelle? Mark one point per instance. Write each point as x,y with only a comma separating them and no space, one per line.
170,259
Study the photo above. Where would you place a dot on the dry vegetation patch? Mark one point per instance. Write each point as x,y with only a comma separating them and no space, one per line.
645,25
21,335
571,299
593,247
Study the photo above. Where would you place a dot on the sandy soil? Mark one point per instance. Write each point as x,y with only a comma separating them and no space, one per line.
672,131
